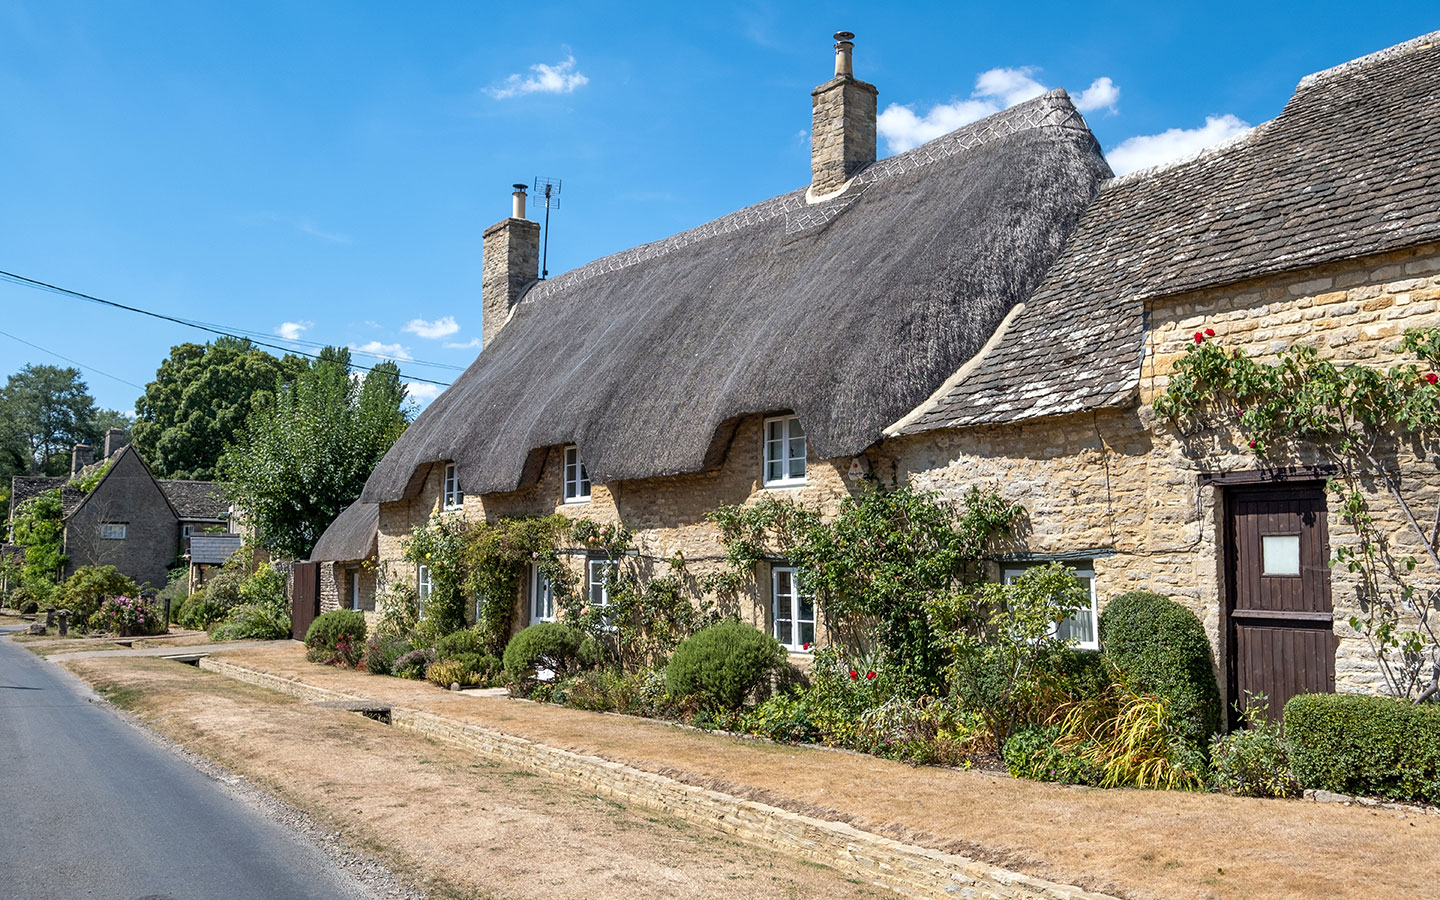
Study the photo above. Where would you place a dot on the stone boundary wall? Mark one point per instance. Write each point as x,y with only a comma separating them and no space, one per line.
905,868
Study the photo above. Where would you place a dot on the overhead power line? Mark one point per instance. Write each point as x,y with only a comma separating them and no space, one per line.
73,362
45,286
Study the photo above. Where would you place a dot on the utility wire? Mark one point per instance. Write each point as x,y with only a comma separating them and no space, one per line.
72,361
44,286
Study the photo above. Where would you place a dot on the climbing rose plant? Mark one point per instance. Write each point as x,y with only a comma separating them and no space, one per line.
1364,420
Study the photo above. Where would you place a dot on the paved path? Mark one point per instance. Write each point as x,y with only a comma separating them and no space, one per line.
91,807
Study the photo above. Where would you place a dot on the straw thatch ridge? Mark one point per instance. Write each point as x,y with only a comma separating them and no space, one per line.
1350,168
848,313
352,536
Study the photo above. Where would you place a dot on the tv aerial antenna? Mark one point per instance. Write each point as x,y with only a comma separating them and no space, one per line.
547,189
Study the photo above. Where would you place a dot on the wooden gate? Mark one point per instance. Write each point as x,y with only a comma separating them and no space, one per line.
304,598
1280,622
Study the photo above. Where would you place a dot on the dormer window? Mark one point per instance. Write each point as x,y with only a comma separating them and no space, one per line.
784,452
577,480
452,498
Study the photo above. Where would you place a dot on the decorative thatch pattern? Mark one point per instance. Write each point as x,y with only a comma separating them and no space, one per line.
1350,168
848,313
352,536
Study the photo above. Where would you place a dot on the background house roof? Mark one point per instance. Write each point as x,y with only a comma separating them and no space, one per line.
351,536
848,313
196,499
213,549
1350,167
27,487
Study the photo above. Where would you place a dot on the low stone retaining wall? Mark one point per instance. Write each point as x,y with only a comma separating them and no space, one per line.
905,868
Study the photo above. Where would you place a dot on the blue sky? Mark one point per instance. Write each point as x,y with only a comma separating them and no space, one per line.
324,170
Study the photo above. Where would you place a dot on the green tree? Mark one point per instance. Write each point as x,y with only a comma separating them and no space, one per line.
307,450
39,528
47,410
199,402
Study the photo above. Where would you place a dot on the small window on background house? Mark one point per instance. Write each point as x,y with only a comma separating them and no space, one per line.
784,452
793,610
600,572
1080,628
422,587
542,596
354,576
577,480
112,531
453,498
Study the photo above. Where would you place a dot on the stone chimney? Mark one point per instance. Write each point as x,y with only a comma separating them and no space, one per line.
79,458
842,130
115,440
510,262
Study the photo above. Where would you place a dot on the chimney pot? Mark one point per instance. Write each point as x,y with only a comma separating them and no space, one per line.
844,44
517,202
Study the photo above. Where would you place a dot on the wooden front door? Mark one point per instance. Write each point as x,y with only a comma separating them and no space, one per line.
304,598
1281,626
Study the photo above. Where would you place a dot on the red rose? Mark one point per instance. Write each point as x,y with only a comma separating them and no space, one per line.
805,646
1252,445
854,674
1432,377
869,675
1209,332
1199,338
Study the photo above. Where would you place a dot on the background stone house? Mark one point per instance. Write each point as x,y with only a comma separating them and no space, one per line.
989,309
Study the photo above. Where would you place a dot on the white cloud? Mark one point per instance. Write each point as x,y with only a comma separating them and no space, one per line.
421,392
995,90
291,331
442,327
1147,150
309,227
472,344
560,78
385,351
1101,94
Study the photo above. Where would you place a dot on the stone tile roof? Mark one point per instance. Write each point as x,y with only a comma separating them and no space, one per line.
213,549
1350,167
26,487
196,499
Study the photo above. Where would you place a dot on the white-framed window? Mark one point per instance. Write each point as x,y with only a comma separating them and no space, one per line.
793,609
1081,628
784,451
577,480
423,585
112,531
599,570
542,596
452,496
354,576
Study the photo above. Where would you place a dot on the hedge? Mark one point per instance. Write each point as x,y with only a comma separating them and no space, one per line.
722,664
1358,744
544,645
1162,649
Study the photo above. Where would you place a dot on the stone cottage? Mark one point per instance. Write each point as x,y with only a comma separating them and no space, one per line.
347,554
991,308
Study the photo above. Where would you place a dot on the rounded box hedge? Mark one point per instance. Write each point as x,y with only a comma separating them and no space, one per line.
1162,648
722,664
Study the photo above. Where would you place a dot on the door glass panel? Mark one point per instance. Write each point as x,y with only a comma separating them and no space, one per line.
1280,554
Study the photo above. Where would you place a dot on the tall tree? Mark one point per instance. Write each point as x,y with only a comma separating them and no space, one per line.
308,450
199,402
47,410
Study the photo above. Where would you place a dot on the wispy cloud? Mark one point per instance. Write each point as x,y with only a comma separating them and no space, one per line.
420,392
308,227
385,351
472,344
441,327
995,90
560,78
1148,150
291,331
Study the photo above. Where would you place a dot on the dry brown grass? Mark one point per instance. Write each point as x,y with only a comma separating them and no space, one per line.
460,825
1139,844
49,645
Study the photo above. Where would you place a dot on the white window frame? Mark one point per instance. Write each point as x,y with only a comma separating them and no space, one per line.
451,495
794,600
423,586
782,449
597,588
577,480
541,589
1085,571
113,531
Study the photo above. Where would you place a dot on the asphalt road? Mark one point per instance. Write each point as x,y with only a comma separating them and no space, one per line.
92,807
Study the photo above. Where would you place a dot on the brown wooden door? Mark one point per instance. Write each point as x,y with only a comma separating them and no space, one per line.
304,598
1281,626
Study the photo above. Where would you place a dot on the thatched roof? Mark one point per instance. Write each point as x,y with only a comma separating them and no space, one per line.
1350,168
848,313
352,536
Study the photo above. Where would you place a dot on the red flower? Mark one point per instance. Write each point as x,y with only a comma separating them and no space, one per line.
1199,338
1209,332
1252,445
805,646
1432,377
869,675
854,674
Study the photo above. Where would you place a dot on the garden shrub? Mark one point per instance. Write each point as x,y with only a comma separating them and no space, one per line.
29,607
1356,744
83,592
336,638
721,665
175,590
197,612
1254,761
544,645
226,590
446,672
1163,651
128,616
24,599
413,663
259,621
467,642
1033,752
382,650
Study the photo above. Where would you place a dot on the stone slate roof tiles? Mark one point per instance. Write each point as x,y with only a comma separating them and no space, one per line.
196,499
26,487
1350,167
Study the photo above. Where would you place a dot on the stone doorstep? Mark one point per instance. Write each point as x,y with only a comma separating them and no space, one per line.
908,869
